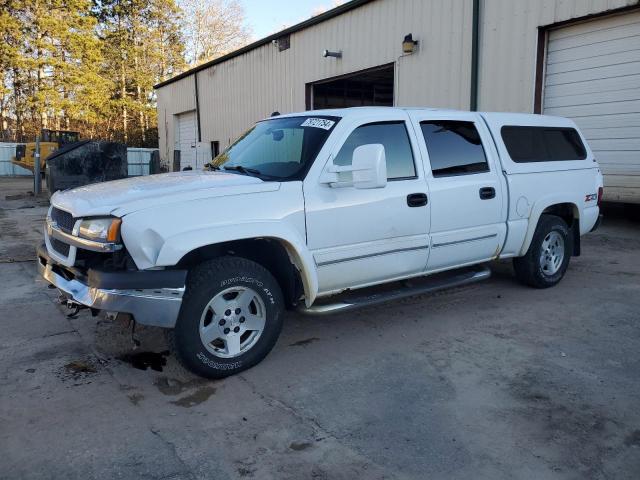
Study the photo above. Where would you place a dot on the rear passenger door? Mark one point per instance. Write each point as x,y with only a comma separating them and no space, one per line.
466,189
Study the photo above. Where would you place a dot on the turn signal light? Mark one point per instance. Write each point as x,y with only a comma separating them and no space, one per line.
114,230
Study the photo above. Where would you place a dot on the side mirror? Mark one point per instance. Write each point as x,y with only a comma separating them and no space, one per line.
368,168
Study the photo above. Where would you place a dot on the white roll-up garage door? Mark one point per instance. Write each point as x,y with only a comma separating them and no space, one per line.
186,136
593,76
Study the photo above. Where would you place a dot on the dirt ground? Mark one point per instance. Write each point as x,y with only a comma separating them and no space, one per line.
491,381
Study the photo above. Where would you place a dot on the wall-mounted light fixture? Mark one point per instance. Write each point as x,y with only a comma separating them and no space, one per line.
327,53
409,45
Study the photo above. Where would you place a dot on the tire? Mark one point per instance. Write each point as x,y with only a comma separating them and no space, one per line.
238,302
547,259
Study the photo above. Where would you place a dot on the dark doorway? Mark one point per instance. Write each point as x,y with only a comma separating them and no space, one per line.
372,87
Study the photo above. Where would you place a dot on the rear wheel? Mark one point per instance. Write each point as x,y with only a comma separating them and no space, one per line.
230,319
547,259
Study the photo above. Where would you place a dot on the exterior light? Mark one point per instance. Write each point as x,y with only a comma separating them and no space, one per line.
409,44
327,53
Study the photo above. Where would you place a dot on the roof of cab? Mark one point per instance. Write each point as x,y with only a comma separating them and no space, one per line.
491,117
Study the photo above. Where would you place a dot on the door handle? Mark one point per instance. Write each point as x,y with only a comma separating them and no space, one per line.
417,200
487,193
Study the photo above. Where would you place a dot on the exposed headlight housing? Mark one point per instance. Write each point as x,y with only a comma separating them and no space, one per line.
105,230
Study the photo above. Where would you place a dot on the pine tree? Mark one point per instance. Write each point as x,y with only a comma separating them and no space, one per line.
144,46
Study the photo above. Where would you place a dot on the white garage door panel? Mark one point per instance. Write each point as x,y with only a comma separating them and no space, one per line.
591,33
592,86
606,133
610,157
592,98
616,144
596,49
595,62
608,121
609,108
621,169
593,76
612,71
622,181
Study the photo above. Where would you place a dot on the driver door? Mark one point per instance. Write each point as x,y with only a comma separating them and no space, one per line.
360,237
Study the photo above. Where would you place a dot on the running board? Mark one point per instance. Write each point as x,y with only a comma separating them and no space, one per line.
352,300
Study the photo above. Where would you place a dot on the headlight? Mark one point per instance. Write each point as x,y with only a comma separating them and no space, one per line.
100,229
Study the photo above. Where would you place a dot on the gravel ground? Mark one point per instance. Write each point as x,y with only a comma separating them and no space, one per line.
494,381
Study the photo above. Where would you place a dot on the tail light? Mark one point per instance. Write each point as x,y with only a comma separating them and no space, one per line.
600,193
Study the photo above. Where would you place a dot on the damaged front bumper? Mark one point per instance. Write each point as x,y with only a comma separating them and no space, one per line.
152,297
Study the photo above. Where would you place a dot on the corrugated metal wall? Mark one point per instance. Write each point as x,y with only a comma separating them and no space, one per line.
236,93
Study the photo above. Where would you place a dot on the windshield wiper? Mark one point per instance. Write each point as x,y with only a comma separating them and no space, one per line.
241,169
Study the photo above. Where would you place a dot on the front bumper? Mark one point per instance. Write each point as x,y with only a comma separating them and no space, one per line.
152,298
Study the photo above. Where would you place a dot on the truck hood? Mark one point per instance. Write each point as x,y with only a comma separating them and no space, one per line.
121,197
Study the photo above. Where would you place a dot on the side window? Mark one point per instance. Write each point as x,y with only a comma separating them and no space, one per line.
394,137
454,148
543,144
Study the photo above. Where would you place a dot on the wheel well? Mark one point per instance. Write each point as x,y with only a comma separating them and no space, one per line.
567,211
570,214
269,253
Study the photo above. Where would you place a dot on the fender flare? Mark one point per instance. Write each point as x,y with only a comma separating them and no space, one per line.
177,246
536,212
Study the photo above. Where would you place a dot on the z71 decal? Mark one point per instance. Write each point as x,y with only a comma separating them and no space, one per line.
591,198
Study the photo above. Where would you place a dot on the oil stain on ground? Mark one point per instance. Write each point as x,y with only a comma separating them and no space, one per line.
145,360
78,372
633,439
305,342
299,446
172,386
135,398
196,398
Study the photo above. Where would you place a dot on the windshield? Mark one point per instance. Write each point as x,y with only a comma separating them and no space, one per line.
279,148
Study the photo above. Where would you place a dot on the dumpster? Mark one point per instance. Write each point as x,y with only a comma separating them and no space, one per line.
85,162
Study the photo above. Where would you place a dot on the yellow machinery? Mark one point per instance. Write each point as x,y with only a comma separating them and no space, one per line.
50,141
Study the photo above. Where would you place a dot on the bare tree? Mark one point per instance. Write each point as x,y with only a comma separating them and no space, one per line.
213,28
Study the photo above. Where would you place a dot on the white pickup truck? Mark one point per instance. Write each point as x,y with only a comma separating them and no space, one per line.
323,212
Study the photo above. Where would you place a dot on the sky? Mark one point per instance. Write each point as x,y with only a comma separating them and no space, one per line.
265,17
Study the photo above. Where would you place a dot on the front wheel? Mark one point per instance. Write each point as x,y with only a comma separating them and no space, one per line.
230,319
547,259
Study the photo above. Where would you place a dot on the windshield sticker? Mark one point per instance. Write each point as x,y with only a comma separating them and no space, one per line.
322,123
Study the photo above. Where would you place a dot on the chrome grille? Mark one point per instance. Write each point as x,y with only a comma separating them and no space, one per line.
64,220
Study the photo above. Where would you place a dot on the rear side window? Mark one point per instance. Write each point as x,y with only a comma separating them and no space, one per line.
454,148
397,148
543,144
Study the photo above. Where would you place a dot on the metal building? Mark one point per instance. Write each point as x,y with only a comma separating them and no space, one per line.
574,58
